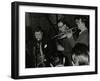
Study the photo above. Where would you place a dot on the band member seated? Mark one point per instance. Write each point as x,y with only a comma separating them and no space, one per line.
39,48
80,55
57,60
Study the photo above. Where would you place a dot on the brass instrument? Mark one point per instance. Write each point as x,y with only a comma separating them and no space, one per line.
58,36
40,57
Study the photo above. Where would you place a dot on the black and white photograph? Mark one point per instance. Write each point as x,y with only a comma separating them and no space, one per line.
51,40
56,40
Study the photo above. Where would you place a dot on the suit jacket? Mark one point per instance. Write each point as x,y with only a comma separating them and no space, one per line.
83,38
31,52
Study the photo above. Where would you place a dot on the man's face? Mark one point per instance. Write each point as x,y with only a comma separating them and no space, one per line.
80,59
62,27
38,35
79,23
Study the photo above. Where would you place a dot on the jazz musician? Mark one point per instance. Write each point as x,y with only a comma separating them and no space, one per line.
39,48
80,55
82,24
64,44
68,39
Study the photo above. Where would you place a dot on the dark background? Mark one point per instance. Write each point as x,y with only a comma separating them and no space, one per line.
48,23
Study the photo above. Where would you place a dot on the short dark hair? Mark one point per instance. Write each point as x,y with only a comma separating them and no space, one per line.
84,19
64,22
79,49
38,28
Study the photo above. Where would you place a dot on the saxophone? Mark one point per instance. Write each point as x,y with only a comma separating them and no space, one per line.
40,57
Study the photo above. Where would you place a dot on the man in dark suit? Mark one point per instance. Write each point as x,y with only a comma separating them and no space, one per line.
83,37
40,48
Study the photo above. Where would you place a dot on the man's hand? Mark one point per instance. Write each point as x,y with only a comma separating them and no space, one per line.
69,34
75,60
60,48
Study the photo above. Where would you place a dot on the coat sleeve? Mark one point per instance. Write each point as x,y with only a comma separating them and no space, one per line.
84,39
72,41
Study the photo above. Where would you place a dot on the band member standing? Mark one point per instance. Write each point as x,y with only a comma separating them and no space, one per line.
82,23
64,44
39,48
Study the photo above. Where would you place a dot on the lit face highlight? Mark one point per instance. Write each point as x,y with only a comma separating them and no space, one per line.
62,27
80,24
38,35
80,59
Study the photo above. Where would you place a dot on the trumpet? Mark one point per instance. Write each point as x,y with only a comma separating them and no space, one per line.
63,33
